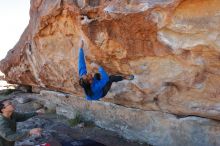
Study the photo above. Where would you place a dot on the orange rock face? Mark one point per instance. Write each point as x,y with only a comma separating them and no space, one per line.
171,46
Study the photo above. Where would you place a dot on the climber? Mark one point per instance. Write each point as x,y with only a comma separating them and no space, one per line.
8,119
96,86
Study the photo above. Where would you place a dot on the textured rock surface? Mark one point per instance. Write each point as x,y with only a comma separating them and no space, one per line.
171,46
57,128
156,128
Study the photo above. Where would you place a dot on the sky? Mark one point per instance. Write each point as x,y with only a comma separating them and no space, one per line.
14,18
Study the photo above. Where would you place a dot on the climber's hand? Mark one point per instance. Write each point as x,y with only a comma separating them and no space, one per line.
81,43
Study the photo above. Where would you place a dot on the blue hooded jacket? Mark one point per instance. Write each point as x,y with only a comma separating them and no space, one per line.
97,85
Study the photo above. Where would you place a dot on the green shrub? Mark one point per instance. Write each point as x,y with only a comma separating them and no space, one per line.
75,121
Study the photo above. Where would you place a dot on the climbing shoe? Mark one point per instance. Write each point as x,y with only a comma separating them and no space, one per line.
129,77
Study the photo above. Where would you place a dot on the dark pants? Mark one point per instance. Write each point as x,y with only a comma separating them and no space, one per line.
108,85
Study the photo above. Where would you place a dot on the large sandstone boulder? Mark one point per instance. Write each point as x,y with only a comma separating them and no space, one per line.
171,46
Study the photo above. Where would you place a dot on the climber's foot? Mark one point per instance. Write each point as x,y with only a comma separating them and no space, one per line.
129,77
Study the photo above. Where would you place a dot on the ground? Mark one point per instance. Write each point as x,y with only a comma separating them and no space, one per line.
58,128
